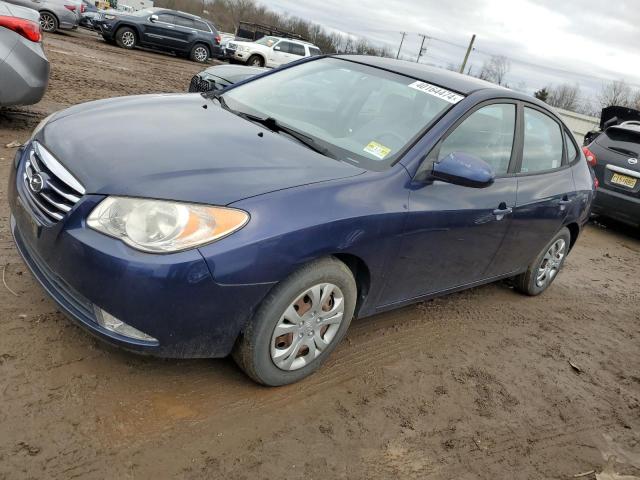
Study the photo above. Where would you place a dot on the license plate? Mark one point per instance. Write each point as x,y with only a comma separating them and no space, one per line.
624,180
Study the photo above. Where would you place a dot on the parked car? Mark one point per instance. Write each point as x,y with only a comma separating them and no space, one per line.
89,14
258,221
24,68
55,14
162,29
220,77
613,152
270,51
225,38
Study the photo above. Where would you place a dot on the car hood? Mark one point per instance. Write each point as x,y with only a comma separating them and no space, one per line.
180,147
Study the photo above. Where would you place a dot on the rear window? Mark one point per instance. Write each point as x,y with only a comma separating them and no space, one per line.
621,140
184,22
314,51
296,49
201,26
542,148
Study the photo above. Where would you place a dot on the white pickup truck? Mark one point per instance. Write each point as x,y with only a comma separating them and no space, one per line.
270,51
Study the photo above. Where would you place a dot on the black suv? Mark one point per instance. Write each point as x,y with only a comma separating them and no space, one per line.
159,28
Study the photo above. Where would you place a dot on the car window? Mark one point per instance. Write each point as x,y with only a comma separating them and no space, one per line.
185,22
201,26
166,18
285,47
488,134
572,151
313,51
542,142
297,49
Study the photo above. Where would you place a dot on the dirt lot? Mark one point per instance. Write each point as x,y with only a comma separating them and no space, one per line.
474,385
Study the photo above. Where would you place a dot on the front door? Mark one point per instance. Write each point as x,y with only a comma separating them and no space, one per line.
453,233
160,32
280,54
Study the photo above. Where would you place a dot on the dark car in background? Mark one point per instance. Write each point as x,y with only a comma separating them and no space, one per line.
261,220
614,153
220,77
162,29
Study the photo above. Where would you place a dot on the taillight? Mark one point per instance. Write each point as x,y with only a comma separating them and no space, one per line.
70,7
218,39
28,29
591,158
596,182
83,8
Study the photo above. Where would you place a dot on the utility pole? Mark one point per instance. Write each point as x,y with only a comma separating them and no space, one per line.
466,57
402,40
422,49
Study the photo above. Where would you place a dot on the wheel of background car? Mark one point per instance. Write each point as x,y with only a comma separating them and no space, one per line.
48,22
299,324
544,269
199,53
255,61
126,38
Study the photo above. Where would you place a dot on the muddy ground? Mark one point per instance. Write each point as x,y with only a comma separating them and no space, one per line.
475,385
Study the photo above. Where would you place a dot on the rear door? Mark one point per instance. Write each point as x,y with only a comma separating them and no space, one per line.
185,32
546,190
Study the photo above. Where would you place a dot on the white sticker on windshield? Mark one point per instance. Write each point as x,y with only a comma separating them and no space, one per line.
442,93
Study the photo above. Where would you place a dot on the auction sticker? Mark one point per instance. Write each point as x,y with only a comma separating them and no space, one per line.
377,150
441,93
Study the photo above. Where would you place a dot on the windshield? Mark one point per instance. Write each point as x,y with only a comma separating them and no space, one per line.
362,115
268,41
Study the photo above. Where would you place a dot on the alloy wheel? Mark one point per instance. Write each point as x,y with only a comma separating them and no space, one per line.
200,54
47,22
128,39
307,327
551,263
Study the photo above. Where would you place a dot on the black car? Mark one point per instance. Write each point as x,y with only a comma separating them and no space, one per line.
614,152
159,28
220,77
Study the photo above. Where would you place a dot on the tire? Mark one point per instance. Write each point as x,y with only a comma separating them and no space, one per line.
126,38
279,360
48,22
255,61
199,53
545,268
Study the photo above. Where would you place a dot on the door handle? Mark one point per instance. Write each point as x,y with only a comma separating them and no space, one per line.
502,210
563,203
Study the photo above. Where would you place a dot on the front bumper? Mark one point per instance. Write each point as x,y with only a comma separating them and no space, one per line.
172,298
24,73
618,206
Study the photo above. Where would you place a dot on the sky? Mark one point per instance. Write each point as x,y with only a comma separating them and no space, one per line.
588,42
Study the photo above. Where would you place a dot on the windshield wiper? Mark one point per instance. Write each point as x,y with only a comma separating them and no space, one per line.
275,126
217,95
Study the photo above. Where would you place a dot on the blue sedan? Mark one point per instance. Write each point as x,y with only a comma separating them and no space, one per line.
259,221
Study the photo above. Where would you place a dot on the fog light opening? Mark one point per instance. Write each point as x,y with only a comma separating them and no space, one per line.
111,323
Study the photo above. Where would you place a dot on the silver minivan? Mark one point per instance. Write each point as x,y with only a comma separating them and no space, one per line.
55,14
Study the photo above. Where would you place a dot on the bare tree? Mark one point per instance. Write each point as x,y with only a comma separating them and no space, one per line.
495,69
564,96
615,93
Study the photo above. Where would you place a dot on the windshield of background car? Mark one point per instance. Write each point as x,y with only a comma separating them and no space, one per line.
268,41
360,114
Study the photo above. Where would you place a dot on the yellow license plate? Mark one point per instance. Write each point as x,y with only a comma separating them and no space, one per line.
624,180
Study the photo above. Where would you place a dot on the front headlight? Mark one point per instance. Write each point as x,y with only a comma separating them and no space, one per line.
160,226
108,16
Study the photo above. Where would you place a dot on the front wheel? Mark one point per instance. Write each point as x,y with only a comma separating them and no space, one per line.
126,38
544,269
299,324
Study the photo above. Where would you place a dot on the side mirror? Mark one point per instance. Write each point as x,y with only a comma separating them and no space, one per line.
277,47
153,18
463,169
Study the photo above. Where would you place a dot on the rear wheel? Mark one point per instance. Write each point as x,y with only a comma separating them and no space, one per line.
48,22
299,324
126,38
544,269
199,53
255,61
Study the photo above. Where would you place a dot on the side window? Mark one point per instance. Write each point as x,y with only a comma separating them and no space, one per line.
166,18
313,51
185,22
297,49
201,26
572,151
487,134
542,142
285,47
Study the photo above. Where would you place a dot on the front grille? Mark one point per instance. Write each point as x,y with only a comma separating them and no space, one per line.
49,186
199,85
